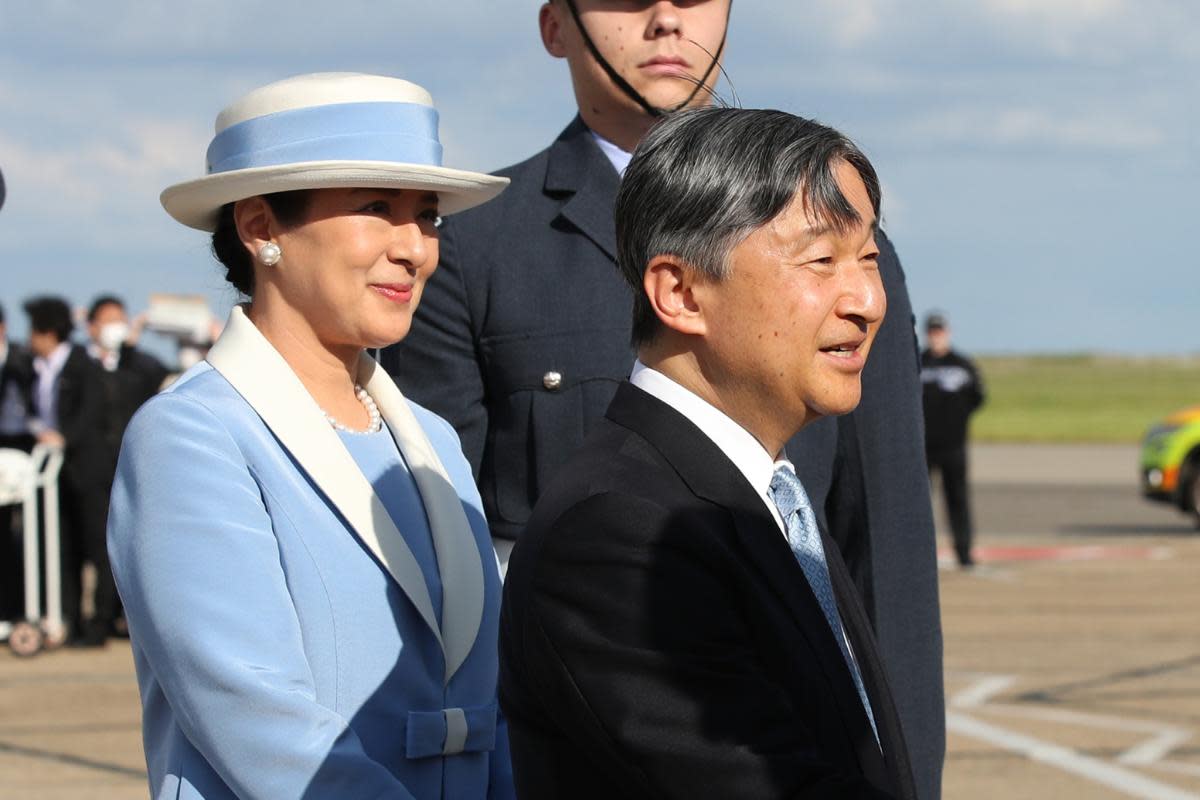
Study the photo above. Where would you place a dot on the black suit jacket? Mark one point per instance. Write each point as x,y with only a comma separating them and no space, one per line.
16,376
82,420
137,378
658,638
527,289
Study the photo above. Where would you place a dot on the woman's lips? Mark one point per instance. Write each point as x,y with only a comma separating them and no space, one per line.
396,292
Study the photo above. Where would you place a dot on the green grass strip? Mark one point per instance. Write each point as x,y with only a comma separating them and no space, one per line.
1081,398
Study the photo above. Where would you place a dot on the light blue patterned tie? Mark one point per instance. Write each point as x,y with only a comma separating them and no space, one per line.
792,501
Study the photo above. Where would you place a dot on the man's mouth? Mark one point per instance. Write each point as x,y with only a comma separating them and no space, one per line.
666,65
844,349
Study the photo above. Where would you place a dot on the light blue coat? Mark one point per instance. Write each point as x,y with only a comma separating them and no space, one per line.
285,640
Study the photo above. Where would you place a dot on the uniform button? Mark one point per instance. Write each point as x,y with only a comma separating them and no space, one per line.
552,380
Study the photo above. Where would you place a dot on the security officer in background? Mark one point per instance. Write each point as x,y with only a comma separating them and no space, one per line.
952,392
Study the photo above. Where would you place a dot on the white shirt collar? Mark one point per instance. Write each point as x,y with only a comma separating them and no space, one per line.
110,359
53,363
618,157
737,443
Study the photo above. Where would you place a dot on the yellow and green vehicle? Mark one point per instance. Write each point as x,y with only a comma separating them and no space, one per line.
1171,461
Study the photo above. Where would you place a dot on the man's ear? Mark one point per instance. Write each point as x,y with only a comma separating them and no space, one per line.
669,285
255,223
550,25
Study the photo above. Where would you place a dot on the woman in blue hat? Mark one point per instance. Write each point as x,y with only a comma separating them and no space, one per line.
311,591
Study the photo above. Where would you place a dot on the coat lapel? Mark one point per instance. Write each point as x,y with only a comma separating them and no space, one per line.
577,168
712,476
260,375
453,541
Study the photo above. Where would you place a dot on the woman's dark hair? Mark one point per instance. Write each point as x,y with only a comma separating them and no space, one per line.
289,208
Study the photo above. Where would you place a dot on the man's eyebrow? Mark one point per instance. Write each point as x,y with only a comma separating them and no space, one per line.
819,229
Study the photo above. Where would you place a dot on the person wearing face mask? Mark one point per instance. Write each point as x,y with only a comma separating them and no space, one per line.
130,377
133,375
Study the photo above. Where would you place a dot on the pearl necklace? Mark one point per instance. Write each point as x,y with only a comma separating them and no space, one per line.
376,421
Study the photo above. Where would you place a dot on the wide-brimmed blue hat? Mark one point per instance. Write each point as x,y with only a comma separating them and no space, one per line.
326,130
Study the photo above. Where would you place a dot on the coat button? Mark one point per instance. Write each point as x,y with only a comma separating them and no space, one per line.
552,380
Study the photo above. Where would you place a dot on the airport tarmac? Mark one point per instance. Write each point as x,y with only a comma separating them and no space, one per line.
1072,652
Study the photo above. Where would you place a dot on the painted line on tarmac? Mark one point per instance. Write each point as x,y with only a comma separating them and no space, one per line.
1066,759
984,689
1051,694
72,760
1163,740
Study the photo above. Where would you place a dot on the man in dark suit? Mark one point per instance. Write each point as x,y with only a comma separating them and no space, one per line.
674,623
131,376
16,381
69,401
522,337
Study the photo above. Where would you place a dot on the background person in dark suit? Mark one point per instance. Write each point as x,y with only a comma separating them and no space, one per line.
16,384
69,400
673,625
16,381
523,336
130,376
953,391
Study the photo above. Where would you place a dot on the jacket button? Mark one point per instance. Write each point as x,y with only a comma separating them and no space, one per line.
552,380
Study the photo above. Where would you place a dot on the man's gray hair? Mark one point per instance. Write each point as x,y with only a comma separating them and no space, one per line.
704,179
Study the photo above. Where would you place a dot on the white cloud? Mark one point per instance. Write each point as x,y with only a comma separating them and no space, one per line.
1027,127
104,186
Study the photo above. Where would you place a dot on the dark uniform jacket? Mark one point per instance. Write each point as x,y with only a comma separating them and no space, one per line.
952,392
523,334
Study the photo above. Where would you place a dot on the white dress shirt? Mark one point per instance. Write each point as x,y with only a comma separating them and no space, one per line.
45,388
619,158
737,443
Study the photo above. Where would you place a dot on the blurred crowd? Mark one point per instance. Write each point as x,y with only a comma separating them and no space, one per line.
75,385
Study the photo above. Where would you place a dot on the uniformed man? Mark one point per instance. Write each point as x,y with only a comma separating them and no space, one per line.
523,335
953,391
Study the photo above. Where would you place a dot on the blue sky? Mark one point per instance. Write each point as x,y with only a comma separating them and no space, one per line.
1039,157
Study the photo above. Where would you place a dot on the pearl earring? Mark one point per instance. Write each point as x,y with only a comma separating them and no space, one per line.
269,254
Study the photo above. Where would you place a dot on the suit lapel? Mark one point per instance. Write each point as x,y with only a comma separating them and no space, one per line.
578,169
712,476
453,540
260,375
